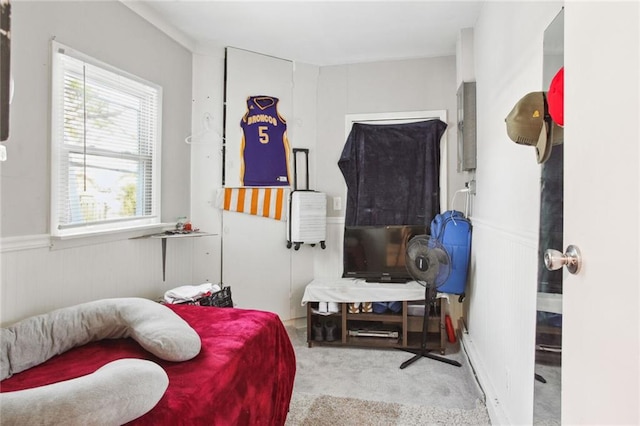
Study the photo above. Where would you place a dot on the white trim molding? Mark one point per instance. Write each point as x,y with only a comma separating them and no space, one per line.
25,242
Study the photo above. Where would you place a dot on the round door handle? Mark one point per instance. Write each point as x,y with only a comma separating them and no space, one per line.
554,259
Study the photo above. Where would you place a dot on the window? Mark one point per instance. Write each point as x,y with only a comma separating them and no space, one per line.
105,146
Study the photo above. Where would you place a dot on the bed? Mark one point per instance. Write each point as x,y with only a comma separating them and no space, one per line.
243,374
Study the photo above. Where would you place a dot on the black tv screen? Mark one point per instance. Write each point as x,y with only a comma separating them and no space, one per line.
377,253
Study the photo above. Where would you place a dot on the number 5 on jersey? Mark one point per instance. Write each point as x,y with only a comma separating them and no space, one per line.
263,134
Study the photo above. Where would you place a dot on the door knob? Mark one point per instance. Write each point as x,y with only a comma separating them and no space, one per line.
554,259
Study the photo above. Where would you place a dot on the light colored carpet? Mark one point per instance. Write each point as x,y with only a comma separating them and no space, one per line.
321,410
357,386
546,401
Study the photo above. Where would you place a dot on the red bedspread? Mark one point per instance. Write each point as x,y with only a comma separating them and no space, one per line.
242,376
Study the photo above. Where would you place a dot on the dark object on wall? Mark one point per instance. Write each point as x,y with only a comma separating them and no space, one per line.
392,173
5,67
467,126
453,230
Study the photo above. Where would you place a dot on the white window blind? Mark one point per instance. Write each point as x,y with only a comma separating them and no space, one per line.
106,146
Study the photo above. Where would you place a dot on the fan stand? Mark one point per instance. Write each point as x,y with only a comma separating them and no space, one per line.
429,298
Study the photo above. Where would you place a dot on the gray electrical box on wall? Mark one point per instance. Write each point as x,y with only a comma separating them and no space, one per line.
467,126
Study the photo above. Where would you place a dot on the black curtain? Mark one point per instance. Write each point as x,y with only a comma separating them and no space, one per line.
392,173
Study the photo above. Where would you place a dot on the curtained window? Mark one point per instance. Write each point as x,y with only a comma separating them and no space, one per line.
392,172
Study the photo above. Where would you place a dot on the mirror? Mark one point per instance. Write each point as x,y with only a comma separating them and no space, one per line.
547,383
5,69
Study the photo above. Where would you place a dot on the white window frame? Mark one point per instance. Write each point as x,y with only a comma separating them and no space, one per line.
105,226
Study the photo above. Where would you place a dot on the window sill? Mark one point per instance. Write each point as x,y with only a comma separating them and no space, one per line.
101,237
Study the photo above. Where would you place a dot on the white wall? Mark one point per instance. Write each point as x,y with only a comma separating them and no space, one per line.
34,278
379,87
259,281
508,42
376,87
136,47
465,63
302,130
206,159
321,98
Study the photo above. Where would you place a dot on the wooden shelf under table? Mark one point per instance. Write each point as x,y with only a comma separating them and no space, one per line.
409,327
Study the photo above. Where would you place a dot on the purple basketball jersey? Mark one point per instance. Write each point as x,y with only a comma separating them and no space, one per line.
265,148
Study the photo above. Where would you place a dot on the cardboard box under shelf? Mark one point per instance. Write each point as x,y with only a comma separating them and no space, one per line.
414,324
433,341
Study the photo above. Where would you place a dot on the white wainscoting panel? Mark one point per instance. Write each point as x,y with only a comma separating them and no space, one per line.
328,263
256,263
206,259
302,264
501,319
36,279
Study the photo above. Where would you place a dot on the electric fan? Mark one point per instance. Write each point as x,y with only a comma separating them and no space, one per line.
429,264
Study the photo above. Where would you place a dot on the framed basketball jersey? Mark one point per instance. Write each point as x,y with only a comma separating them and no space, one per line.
264,149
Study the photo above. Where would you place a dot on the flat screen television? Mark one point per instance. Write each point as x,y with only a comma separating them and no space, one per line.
377,253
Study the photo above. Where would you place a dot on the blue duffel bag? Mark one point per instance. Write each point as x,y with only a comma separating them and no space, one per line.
453,230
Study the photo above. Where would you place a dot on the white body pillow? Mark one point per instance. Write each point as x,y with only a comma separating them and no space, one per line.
154,326
115,394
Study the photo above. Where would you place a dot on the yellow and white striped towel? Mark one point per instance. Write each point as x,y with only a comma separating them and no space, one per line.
265,202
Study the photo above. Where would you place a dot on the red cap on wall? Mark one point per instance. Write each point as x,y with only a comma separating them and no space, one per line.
555,98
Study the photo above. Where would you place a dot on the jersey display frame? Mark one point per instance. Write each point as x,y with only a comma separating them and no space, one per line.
265,149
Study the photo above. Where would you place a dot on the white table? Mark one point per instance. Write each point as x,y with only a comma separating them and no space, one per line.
349,290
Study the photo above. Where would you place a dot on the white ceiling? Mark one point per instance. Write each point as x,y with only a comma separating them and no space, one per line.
317,32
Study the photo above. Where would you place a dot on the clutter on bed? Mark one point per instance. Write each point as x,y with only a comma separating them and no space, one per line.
242,372
206,294
219,299
190,293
